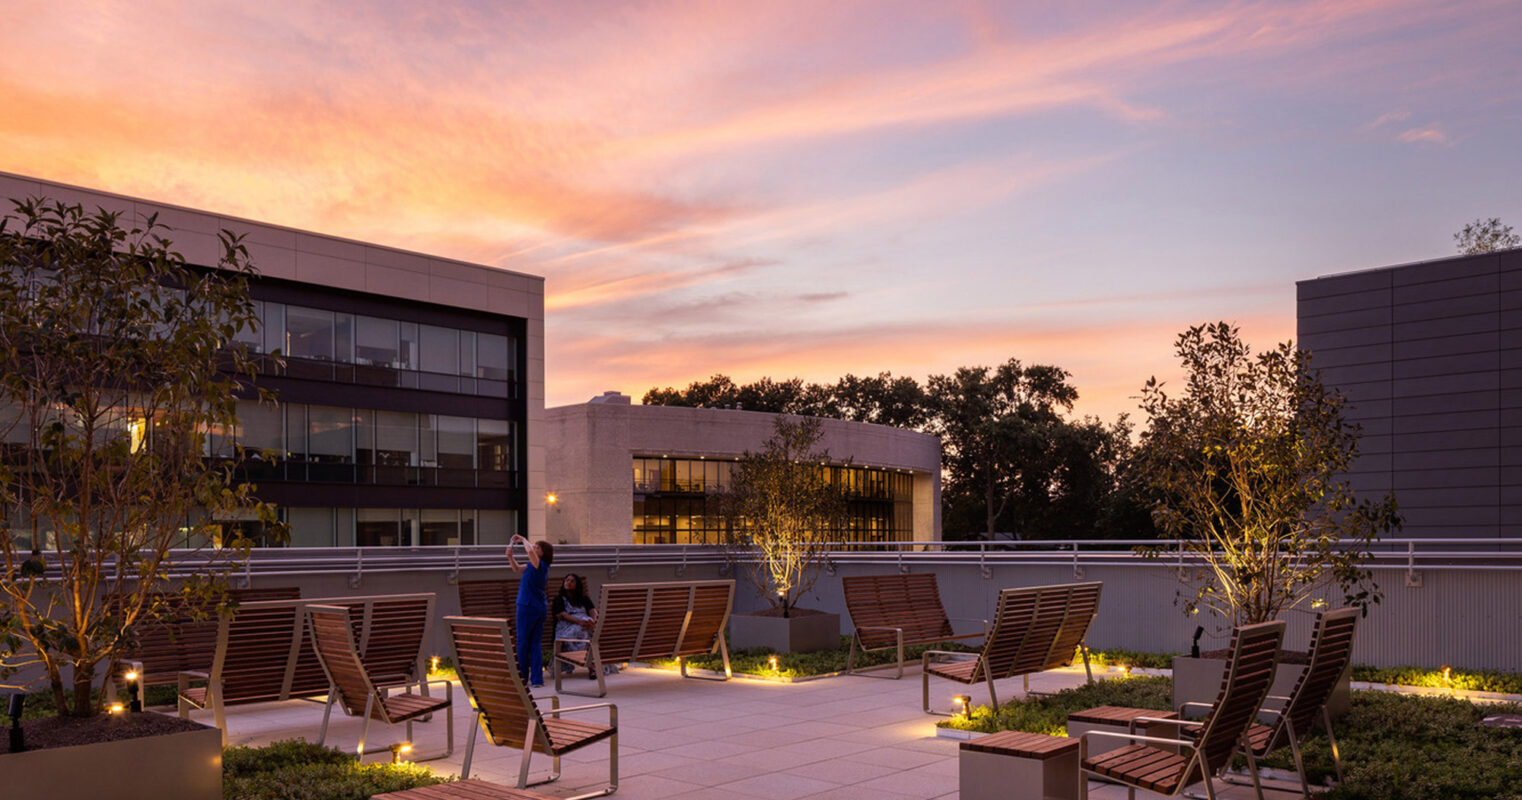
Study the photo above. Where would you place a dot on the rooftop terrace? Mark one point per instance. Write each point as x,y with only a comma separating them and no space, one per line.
836,738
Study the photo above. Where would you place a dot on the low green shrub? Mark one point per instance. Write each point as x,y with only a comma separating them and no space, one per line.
1049,714
1463,680
297,770
1408,747
1116,657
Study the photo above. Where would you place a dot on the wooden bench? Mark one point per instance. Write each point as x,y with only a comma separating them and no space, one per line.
644,621
264,651
178,641
897,610
1036,628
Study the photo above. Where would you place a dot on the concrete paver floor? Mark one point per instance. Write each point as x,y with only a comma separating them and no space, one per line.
840,738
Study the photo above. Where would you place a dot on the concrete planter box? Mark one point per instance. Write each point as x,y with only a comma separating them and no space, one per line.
184,765
1198,680
800,633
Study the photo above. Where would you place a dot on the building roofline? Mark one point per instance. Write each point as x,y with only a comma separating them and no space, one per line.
1424,262
246,221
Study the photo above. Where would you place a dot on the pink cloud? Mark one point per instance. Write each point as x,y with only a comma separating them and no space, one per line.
1430,135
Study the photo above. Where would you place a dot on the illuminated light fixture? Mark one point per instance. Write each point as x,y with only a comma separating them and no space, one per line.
137,703
433,664
552,498
773,662
117,708
963,702
399,752
1448,677
1125,669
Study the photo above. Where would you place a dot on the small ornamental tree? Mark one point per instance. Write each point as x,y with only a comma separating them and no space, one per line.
1247,465
1486,236
113,377
782,508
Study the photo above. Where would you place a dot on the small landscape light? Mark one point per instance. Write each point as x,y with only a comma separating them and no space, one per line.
399,752
963,702
117,708
433,664
773,662
131,676
1448,677
132,689
552,498
1125,669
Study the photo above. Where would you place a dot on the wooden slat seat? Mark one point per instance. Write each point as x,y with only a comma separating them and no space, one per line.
1035,628
1154,763
263,651
1022,744
352,686
487,666
179,640
645,621
470,789
894,611
1141,765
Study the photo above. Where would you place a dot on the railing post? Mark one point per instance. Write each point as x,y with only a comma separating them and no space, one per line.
1413,576
358,576
1078,572
983,561
613,570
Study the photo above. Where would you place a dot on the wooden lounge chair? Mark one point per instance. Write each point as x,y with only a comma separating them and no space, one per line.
1168,765
897,610
249,662
350,683
1331,651
1035,628
645,621
488,670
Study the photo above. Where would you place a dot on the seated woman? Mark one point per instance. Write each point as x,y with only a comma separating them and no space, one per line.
575,615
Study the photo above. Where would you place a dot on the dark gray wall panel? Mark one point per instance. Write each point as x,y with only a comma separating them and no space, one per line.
1446,269
1341,322
1457,421
1349,283
1351,337
1445,403
1446,440
1326,358
1449,326
1446,308
1447,345
1443,365
1444,459
1344,303
1433,478
1484,513
1446,384
1488,285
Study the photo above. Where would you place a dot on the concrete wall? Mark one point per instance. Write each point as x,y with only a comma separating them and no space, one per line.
1464,618
593,446
296,255
1430,357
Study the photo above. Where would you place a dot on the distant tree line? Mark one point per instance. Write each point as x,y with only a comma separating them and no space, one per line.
1015,461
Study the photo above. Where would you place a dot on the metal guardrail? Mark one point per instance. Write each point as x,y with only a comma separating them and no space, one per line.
455,561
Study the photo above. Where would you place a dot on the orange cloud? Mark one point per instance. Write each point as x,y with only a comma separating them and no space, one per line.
1429,135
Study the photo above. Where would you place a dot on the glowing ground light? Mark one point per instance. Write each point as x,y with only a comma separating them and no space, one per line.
1448,677
117,708
773,662
963,702
399,752
433,664
130,676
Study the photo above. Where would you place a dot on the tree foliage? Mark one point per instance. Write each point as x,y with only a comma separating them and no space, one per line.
1486,236
783,507
1247,466
112,375
1013,461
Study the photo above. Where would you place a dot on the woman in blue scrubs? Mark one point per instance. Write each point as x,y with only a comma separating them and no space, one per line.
533,606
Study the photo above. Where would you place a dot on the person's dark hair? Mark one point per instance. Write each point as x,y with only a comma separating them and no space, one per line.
547,552
577,596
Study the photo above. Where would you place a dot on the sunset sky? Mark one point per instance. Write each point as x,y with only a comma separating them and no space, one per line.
813,188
